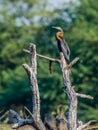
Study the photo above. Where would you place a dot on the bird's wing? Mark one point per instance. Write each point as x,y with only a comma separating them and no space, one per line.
65,49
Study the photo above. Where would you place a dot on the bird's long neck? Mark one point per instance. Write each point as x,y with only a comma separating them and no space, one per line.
59,36
59,39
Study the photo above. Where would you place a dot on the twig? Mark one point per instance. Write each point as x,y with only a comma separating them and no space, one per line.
85,125
91,128
45,57
72,63
84,96
28,111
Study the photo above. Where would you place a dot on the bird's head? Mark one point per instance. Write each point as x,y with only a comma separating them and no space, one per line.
59,35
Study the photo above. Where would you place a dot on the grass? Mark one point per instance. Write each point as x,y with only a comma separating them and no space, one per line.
5,126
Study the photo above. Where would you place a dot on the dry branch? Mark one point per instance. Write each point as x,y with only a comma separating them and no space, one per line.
84,96
45,57
85,125
72,98
91,127
20,121
71,94
32,72
72,63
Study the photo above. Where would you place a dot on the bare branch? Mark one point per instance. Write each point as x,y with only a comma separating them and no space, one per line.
45,57
32,72
33,58
27,68
72,63
85,125
91,128
15,114
33,81
71,94
29,111
20,121
84,96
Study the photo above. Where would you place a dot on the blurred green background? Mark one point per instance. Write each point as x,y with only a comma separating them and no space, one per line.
23,22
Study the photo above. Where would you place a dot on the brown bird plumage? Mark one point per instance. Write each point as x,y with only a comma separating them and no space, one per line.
62,44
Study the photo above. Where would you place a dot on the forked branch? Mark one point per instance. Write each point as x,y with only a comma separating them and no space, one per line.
71,94
32,72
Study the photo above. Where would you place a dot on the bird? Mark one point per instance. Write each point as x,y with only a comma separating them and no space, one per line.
62,44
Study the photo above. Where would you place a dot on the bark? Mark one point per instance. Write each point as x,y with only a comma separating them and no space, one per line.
31,72
72,98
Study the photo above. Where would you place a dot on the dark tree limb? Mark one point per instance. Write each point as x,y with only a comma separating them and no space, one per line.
20,121
50,67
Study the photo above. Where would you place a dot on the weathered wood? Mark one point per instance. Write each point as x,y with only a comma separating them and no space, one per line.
83,126
32,72
20,121
72,123
72,63
84,96
44,57
72,98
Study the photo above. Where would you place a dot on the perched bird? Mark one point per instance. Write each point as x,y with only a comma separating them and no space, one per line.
62,44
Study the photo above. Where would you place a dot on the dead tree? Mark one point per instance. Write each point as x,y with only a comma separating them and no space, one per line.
35,121
31,72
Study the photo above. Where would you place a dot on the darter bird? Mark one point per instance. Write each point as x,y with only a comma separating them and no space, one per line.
62,44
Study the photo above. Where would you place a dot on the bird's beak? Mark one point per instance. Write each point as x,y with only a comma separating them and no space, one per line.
55,27
58,28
